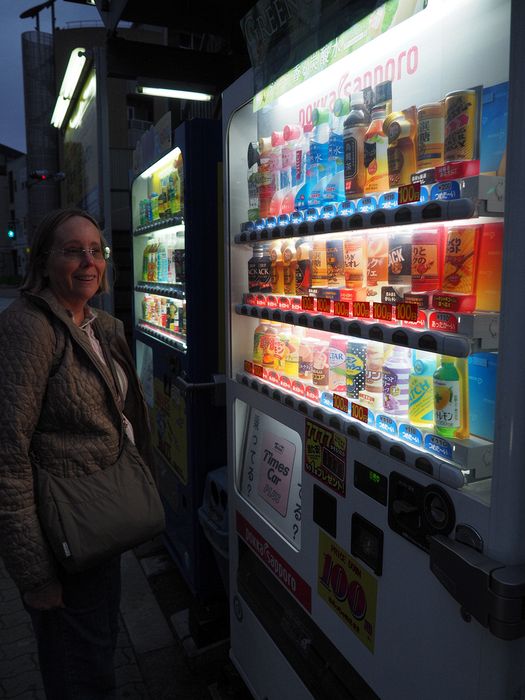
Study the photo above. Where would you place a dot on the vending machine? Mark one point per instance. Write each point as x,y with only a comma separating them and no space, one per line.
176,238
374,382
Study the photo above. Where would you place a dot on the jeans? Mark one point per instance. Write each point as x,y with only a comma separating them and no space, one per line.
76,644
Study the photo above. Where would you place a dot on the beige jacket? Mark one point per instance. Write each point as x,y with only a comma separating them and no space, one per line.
58,411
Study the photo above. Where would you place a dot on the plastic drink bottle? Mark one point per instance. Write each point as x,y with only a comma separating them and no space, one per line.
354,132
258,346
447,398
335,188
377,264
319,155
355,367
421,389
337,364
306,358
277,173
374,372
321,364
302,196
162,262
375,152
266,179
396,371
253,184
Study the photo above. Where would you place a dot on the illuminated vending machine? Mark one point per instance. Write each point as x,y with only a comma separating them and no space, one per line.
176,310
375,400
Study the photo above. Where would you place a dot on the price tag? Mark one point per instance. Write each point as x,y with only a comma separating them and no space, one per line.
258,371
340,403
308,303
323,305
409,193
361,309
407,312
441,321
341,308
382,311
359,412
248,366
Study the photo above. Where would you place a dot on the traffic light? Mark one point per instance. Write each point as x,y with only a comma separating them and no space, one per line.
39,174
11,233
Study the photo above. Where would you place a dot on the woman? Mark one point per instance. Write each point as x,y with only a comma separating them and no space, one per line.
60,409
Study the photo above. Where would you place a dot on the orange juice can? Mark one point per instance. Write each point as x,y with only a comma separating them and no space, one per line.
460,125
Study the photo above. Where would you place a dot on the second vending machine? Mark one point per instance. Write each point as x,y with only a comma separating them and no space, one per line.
176,236
376,484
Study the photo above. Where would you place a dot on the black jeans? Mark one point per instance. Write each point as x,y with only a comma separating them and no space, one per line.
76,644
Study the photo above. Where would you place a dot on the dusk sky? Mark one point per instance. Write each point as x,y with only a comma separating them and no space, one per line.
12,125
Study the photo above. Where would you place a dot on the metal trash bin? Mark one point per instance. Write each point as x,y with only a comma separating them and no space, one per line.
213,517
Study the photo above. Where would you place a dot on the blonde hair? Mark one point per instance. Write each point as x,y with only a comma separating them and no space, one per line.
35,279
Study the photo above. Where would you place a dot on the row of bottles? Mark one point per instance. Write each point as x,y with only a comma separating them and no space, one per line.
163,259
415,387
164,312
164,203
359,147
378,265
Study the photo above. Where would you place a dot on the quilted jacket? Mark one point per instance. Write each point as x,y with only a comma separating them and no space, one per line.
58,411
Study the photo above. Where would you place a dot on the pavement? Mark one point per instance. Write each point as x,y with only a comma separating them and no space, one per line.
170,645
157,657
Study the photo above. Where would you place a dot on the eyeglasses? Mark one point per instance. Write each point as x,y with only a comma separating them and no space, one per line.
79,253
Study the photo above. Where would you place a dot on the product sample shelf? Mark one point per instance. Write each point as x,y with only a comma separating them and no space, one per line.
172,339
159,224
174,291
467,460
476,332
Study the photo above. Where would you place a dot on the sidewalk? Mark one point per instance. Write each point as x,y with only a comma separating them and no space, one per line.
156,658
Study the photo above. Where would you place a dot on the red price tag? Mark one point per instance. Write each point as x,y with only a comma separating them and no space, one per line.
258,371
341,308
248,366
441,321
340,402
359,412
361,309
323,305
409,193
308,303
382,311
407,312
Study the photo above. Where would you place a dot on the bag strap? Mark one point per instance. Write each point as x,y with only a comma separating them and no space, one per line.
111,365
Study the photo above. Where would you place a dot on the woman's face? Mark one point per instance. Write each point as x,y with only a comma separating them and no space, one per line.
74,275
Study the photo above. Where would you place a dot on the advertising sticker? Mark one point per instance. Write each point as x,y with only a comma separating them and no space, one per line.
348,589
325,456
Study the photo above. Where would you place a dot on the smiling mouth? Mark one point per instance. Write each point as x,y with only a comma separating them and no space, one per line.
87,278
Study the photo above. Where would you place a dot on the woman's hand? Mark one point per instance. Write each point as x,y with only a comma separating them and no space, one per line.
45,598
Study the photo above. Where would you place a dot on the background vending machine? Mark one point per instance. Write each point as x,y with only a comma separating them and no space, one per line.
177,319
377,536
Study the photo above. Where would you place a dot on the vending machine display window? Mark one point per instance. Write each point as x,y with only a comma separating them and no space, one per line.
159,255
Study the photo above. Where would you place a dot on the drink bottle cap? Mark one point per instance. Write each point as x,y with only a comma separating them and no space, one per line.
277,138
308,127
341,107
265,145
383,92
397,126
357,100
320,115
292,132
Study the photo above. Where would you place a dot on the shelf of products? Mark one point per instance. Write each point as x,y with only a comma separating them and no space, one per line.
175,340
174,291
